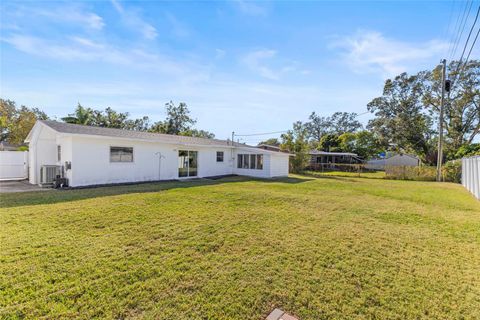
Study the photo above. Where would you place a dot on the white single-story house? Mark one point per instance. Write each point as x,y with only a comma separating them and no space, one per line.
87,155
393,161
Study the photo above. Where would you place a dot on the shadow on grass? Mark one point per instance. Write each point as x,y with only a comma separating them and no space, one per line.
8,200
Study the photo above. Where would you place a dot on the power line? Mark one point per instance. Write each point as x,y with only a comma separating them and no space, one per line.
465,47
260,134
471,48
461,28
451,33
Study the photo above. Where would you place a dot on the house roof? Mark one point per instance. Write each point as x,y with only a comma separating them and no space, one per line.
325,153
76,129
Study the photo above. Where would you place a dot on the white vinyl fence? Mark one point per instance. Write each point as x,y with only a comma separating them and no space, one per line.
13,165
471,175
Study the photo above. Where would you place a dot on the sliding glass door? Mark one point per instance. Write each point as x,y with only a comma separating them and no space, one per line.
187,163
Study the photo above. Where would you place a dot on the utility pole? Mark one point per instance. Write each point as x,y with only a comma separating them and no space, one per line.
233,136
440,124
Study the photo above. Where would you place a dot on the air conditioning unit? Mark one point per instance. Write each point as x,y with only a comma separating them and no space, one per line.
48,174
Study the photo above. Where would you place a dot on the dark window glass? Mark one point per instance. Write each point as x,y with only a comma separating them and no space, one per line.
121,154
252,161
259,161
187,163
240,161
59,153
246,161
219,156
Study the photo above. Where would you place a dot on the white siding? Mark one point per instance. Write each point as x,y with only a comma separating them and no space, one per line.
279,165
263,173
42,151
13,165
90,159
471,175
91,162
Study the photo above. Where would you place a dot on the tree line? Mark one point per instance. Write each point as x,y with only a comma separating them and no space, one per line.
405,120
16,122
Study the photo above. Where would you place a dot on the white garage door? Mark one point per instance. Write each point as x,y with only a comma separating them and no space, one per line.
13,165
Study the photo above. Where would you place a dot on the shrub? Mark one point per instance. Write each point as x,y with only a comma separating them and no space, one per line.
452,171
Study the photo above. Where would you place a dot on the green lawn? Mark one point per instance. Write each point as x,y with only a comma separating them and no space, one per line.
318,248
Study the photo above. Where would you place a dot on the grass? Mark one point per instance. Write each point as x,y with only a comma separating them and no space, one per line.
368,174
326,248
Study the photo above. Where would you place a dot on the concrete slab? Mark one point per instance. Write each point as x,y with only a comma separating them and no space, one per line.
19,186
275,314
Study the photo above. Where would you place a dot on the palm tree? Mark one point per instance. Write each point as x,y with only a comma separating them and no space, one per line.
80,116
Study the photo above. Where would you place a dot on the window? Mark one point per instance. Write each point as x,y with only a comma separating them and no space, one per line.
187,163
59,153
250,161
121,154
240,161
219,156
260,161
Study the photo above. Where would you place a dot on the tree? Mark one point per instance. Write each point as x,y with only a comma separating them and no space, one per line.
468,150
110,119
462,107
16,123
338,123
81,115
178,119
141,124
295,141
342,122
363,143
329,142
198,133
317,126
271,142
400,122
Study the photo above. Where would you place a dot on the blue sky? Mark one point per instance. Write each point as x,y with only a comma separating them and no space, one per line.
240,66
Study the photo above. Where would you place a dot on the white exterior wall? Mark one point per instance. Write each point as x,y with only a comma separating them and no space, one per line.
279,165
42,151
91,161
263,173
13,165
471,175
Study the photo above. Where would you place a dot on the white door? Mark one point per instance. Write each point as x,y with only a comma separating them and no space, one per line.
13,165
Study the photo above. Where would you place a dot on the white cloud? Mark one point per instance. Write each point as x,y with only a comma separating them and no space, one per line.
133,20
80,49
66,14
265,63
250,8
372,52
255,61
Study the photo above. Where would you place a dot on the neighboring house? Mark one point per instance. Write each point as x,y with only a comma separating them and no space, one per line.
269,147
323,157
5,146
392,161
88,155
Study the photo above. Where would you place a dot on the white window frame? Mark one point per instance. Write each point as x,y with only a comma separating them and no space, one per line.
223,156
126,147
247,163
